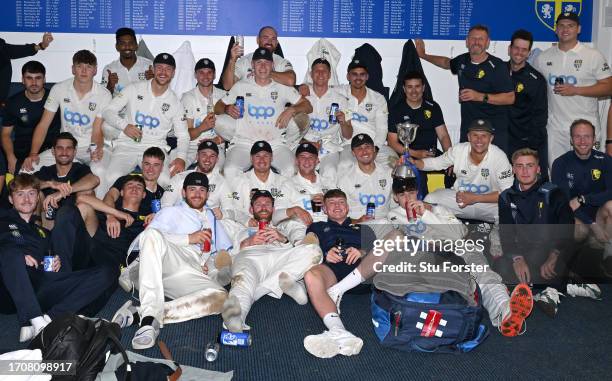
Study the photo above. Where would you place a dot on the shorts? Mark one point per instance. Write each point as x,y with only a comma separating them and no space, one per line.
341,269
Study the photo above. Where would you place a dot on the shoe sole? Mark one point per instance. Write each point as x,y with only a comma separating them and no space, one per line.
137,346
351,347
521,304
320,348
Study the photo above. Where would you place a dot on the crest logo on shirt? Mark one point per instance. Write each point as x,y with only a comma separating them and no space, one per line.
520,87
276,193
165,107
481,74
406,117
382,183
427,114
141,76
548,10
23,110
368,107
92,106
274,95
595,174
139,97
484,172
41,233
577,64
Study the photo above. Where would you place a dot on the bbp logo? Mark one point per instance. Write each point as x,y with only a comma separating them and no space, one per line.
567,79
473,188
359,118
377,199
146,120
319,124
75,118
261,111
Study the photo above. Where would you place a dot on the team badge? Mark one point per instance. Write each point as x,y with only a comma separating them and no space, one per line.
165,107
92,106
141,76
326,229
23,110
595,174
274,95
382,183
548,10
41,233
481,74
484,172
427,114
368,107
520,87
577,64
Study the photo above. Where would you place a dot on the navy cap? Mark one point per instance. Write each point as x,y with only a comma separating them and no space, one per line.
196,178
361,139
307,147
204,63
165,58
481,125
355,63
262,54
569,16
208,144
259,146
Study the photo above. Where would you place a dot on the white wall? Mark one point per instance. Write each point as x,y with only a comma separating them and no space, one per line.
57,58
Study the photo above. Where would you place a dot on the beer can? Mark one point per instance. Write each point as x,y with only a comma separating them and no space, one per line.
137,140
332,113
92,147
559,81
236,339
239,40
206,246
48,263
50,212
240,104
155,205
262,224
212,351
371,209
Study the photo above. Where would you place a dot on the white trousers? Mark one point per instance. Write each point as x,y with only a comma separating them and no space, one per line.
256,269
480,211
168,270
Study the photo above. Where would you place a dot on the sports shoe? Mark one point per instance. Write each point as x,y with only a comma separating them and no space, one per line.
127,274
125,315
336,297
586,290
548,301
521,304
27,333
146,336
333,342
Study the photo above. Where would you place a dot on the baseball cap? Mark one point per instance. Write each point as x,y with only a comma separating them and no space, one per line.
262,53
196,178
361,139
204,63
165,58
257,193
481,125
208,144
355,63
569,16
259,146
307,147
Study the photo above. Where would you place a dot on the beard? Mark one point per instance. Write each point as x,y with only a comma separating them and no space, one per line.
195,204
263,215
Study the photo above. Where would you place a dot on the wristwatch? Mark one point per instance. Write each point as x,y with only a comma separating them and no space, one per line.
485,98
581,200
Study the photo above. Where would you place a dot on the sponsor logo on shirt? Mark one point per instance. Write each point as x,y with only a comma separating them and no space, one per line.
377,199
567,79
75,118
319,124
146,120
473,188
359,118
261,111
23,110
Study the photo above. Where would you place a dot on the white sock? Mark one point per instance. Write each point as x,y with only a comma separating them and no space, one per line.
39,323
350,281
332,320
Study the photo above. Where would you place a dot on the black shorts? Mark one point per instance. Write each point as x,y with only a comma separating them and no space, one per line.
586,213
341,269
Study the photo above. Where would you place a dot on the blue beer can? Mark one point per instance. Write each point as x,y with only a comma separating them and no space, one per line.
333,109
236,339
240,104
155,205
371,209
48,263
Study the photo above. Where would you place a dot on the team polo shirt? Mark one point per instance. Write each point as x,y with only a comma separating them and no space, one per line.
362,188
370,116
428,116
135,74
493,174
275,184
489,77
23,115
580,66
77,115
320,128
156,115
49,173
197,106
219,195
529,112
262,106
243,67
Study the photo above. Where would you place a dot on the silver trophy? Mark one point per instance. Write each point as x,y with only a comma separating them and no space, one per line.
406,133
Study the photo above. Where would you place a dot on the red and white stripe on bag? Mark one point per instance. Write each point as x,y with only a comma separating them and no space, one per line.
432,320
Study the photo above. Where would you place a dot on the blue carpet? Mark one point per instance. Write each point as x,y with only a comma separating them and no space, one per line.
575,345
